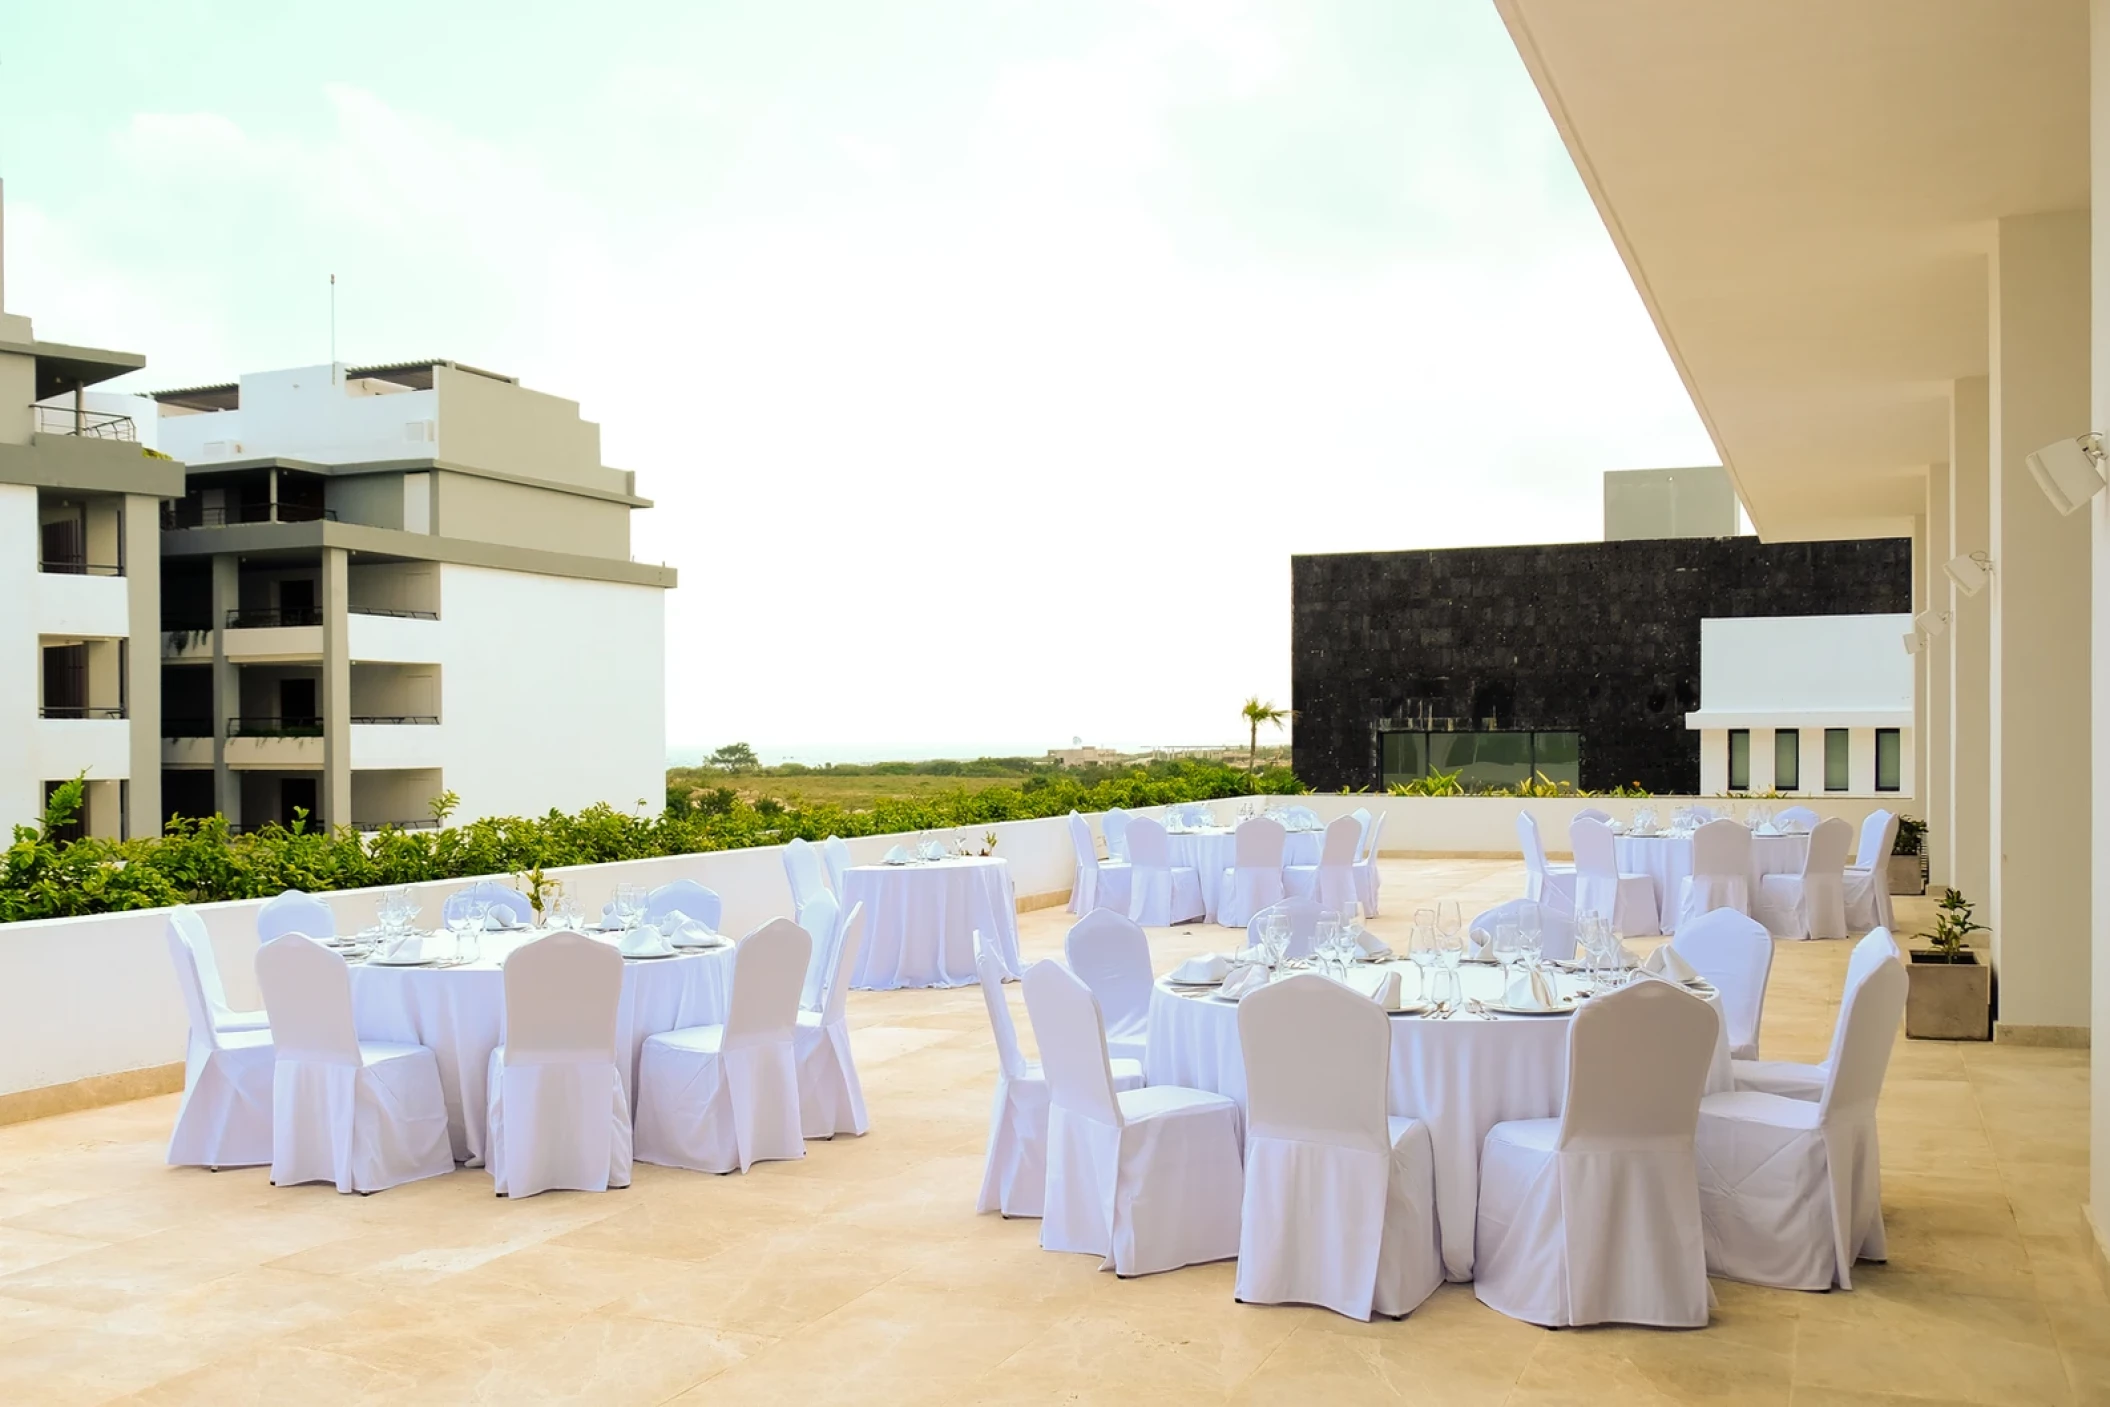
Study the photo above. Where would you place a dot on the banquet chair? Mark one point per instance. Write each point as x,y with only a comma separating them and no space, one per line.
184,920
1794,1079
1627,900
1111,956
364,1115
821,917
1549,885
1147,1179
1594,813
295,912
687,898
1302,816
1099,883
831,1100
802,867
1366,876
1792,1190
1159,893
557,1112
1115,824
1867,879
1701,815
716,1098
498,896
1556,930
1015,1168
1332,880
835,859
1594,1217
224,1120
1721,872
1735,953
1303,925
1254,880
1796,815
1340,1199
1811,904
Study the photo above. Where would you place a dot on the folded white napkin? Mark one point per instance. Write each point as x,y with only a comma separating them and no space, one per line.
1480,944
644,941
1381,985
1250,978
409,947
1666,961
1372,945
1210,967
1532,988
685,932
898,855
501,916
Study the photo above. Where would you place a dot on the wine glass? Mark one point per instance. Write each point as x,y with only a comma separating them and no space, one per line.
1274,938
629,905
1423,947
1325,935
1508,943
465,922
1449,919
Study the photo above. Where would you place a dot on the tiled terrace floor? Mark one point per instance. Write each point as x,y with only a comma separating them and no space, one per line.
862,1274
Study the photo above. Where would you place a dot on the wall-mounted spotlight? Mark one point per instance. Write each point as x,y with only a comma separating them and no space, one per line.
2070,471
1913,641
1931,624
1970,572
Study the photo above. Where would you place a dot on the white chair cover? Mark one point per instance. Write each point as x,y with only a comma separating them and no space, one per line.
1594,813
1015,1169
821,917
1867,879
1147,1179
1548,884
225,1118
1628,900
1332,880
1796,815
1340,1201
557,1114
1303,816
1799,1081
1594,1217
1811,904
1254,880
831,1100
716,1098
1100,883
835,858
1111,955
1303,925
364,1115
1159,894
1115,824
687,897
1793,1190
498,896
1721,872
1735,953
1366,872
802,867
294,911
185,920
1556,930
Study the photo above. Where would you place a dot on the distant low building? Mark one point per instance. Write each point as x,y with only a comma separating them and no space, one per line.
1082,756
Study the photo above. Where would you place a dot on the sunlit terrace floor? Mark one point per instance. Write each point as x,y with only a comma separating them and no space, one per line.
862,1274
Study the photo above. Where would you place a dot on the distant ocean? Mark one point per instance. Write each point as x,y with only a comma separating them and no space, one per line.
821,754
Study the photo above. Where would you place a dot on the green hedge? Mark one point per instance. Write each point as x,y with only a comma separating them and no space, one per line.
201,861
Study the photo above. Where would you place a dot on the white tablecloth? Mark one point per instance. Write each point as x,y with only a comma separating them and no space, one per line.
460,1013
1667,859
1210,852
1461,1076
920,921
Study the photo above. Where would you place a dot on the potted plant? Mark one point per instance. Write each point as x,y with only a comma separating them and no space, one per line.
1908,858
1949,996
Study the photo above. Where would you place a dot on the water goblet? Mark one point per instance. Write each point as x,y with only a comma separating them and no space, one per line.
1448,917
1325,933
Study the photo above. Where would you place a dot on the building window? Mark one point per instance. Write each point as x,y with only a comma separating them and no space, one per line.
1787,759
1836,775
1483,759
1739,759
1890,766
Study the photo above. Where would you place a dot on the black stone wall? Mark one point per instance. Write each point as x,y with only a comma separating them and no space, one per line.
1601,638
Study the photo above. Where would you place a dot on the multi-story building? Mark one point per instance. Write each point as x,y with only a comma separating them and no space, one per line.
79,588
385,583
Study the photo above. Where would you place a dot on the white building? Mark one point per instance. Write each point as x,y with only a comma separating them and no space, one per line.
386,583
1805,706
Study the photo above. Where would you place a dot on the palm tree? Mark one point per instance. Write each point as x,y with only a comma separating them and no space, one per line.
1256,713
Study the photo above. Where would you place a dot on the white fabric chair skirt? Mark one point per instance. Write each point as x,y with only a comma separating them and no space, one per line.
1160,1192
1628,900
1667,860
831,1098
1790,1201
920,921
1101,886
1246,892
1015,1168
1213,853
1159,898
1334,886
365,1127
1868,898
556,1125
714,1110
1802,906
225,1118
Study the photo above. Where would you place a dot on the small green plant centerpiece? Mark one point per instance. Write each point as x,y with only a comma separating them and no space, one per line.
989,842
1953,927
539,888
1949,992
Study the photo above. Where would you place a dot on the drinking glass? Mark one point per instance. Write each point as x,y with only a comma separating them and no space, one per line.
465,923
1508,943
1528,931
629,905
1423,945
1448,918
1274,938
1325,934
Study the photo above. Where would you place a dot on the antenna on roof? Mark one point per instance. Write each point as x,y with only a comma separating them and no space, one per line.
333,329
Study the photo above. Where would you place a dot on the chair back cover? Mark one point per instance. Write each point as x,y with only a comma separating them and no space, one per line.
1258,843
1302,815
1596,854
835,856
688,897
189,981
990,968
1109,953
1637,1065
1072,1043
1317,1056
489,891
802,866
1734,952
821,917
769,966
1594,813
1878,833
1722,848
1556,929
1303,924
1337,848
561,995
308,997
1828,846
295,912
1148,845
846,946
1115,824
1862,1041
1528,841
1868,954
1377,836
184,920
1794,815
1081,840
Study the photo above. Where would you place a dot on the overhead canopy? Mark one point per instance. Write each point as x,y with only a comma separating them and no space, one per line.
1804,192
62,368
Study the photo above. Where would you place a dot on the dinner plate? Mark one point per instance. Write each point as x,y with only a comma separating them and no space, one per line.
1193,986
711,946
1566,1008
648,957
1409,1009
376,960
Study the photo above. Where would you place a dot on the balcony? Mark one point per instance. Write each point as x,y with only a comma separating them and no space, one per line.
282,727
82,604
186,514
274,617
87,424
79,566
407,742
80,711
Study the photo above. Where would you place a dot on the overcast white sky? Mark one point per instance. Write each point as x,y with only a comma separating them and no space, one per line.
988,360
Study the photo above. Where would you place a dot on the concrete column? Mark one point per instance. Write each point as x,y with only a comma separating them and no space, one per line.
2039,709
1934,682
336,687
1970,796
142,558
226,686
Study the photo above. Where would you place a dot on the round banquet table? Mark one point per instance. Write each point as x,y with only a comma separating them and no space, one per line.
1214,849
921,918
1460,1075
460,1013
1667,860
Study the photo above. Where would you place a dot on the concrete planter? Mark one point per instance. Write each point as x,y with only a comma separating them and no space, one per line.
1908,874
1948,1001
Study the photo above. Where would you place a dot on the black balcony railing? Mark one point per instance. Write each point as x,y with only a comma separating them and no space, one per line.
89,424
388,718
185,727
76,566
392,611
273,617
80,711
186,514
286,727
